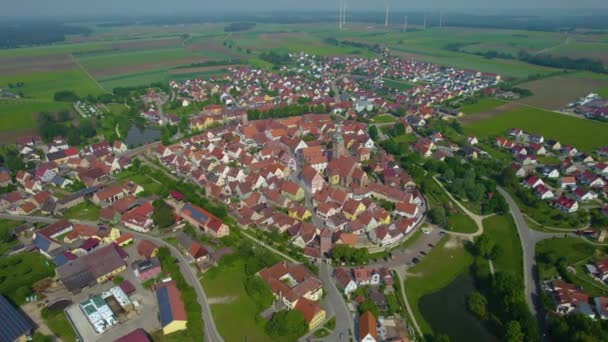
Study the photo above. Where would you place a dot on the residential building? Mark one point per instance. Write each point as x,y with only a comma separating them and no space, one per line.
171,308
367,327
313,313
290,282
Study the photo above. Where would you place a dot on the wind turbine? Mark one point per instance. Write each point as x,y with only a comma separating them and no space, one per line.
340,15
405,24
344,13
388,5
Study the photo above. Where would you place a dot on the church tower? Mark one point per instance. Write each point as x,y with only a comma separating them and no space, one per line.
338,144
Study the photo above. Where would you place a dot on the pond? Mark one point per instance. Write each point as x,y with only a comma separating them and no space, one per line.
138,136
447,313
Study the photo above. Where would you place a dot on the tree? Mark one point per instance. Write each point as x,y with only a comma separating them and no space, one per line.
476,303
513,332
373,132
484,246
163,214
438,216
290,324
66,96
368,305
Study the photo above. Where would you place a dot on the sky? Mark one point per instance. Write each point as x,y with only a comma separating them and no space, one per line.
21,8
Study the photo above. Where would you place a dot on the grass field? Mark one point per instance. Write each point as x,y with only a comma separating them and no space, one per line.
575,253
503,232
235,319
584,134
603,92
85,211
16,115
384,118
442,265
59,325
43,85
399,85
19,272
461,223
406,138
150,185
8,226
482,105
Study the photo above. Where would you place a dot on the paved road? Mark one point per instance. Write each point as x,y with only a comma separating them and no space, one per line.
211,333
335,307
529,238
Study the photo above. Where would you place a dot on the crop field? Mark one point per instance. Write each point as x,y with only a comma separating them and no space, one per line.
158,75
555,92
584,134
594,50
483,105
603,92
43,85
112,63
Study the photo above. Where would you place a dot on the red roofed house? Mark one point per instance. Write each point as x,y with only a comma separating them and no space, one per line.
290,282
367,327
313,314
147,249
172,313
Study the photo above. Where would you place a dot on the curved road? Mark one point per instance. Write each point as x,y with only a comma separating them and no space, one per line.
529,238
211,333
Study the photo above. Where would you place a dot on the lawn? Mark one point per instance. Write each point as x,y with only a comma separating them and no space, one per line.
399,85
584,134
405,138
482,105
236,320
85,211
19,272
16,115
151,187
43,85
503,232
7,227
461,223
383,118
440,267
575,253
59,324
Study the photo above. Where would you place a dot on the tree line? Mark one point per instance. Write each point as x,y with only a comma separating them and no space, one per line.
14,35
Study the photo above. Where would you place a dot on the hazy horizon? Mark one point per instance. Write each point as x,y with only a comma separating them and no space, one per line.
69,8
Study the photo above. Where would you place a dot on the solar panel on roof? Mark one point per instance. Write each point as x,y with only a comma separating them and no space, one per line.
14,325
164,306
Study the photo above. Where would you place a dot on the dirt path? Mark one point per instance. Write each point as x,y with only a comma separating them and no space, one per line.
89,75
33,311
221,300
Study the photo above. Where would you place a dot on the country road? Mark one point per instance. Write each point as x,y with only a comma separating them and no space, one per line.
211,333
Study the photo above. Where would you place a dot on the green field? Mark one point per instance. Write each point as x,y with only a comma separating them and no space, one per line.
482,105
575,253
152,76
113,59
235,319
43,85
584,134
150,185
503,232
6,230
383,118
442,265
603,93
19,272
461,223
16,115
399,85
85,211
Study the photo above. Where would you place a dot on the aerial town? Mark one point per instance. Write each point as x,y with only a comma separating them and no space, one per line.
283,182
